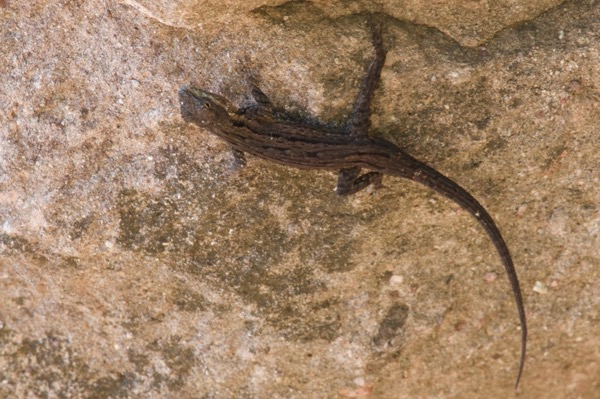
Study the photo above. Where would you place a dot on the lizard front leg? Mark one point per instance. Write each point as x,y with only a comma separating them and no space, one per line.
350,181
263,106
239,158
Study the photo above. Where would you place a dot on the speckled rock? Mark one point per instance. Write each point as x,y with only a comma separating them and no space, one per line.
137,261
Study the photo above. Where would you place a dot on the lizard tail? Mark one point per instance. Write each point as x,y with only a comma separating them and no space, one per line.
433,179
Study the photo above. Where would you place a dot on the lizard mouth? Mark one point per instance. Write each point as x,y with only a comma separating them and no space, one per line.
189,103
202,107
194,92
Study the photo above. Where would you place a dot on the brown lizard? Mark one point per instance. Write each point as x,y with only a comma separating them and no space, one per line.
257,131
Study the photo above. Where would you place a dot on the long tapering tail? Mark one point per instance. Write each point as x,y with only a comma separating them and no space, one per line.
426,175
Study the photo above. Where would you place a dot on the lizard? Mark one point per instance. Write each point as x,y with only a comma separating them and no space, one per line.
258,130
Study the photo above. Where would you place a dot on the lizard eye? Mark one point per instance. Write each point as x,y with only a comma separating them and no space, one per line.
207,105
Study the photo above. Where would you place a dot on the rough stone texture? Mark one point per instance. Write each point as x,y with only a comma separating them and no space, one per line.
136,261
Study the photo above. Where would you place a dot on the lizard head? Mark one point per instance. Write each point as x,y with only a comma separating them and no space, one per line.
204,108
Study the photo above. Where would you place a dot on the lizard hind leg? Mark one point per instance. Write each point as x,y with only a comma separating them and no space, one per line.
350,180
360,120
